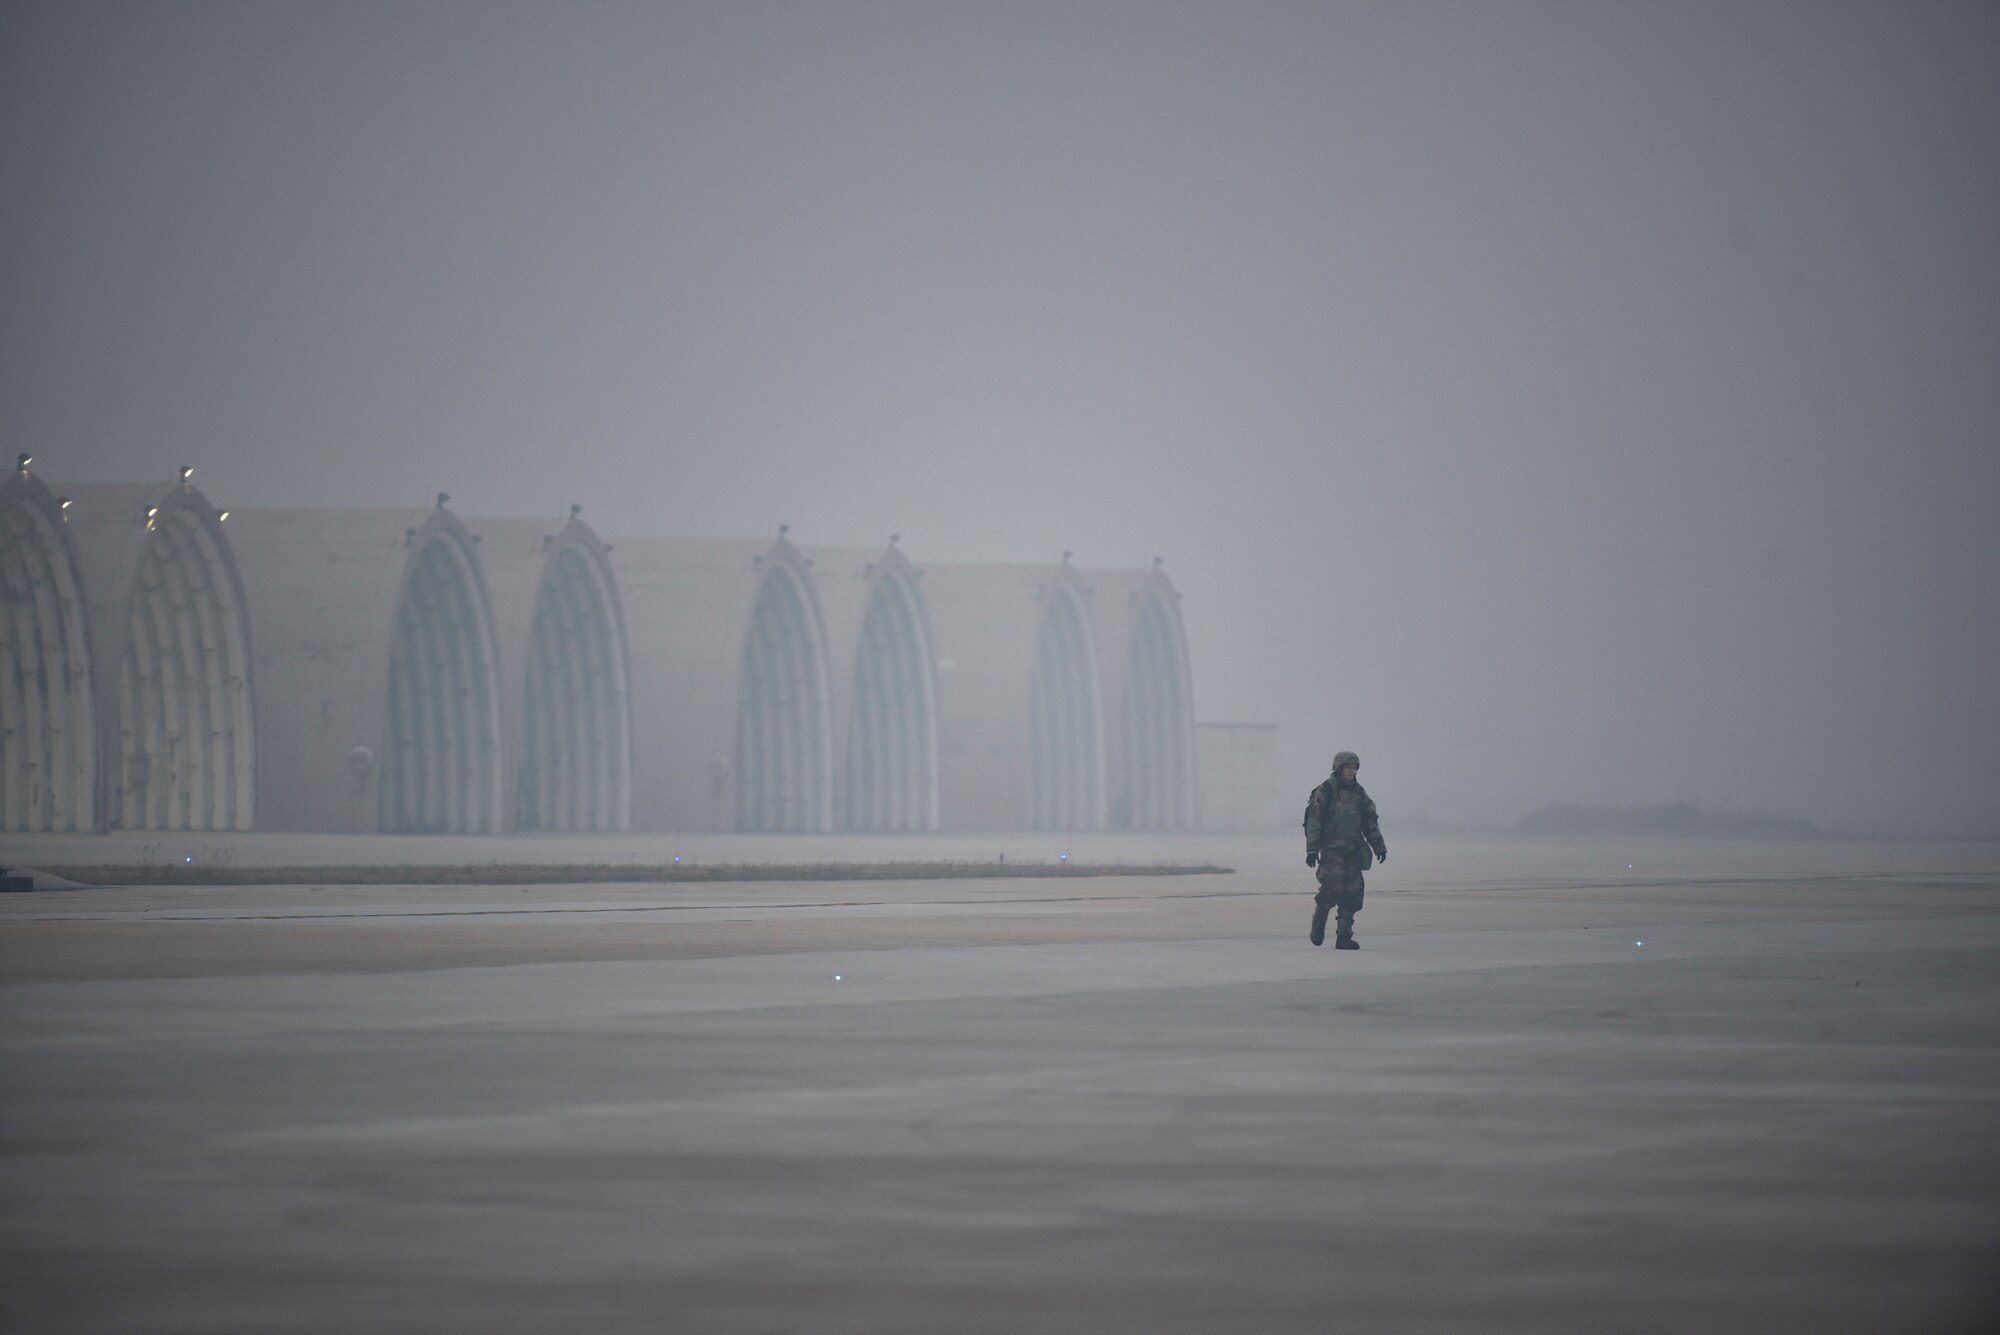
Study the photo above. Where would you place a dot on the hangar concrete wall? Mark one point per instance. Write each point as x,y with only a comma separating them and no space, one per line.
988,622
1026,677
415,673
742,657
1110,743
48,707
1149,721
565,666
874,606
888,734
687,605
378,661
173,684
766,699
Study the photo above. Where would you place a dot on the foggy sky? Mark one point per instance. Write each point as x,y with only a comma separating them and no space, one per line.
1552,402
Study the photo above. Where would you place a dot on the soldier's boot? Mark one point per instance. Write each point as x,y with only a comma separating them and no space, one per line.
1319,926
1343,928
1346,942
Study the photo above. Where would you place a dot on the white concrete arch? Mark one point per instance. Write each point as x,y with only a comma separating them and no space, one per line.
1066,714
440,759
575,763
186,738
784,726
1158,789
892,754
48,720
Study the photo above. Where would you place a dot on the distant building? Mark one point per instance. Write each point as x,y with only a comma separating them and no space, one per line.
408,671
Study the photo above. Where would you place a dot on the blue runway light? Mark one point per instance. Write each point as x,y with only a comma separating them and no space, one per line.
1065,857
189,858
1640,944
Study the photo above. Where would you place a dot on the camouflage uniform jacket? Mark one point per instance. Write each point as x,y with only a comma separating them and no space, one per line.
1341,820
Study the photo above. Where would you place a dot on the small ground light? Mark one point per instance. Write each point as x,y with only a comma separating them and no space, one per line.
189,858
1640,944
836,978
1065,857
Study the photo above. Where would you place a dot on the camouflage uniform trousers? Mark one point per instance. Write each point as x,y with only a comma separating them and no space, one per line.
1340,888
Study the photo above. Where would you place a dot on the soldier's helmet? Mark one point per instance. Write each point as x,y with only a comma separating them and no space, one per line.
1346,758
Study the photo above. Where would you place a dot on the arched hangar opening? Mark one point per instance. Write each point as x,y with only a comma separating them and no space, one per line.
784,729
892,766
440,768
575,770
187,739
48,728
1065,715
1158,750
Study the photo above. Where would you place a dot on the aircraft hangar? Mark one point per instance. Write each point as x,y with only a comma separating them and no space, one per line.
171,665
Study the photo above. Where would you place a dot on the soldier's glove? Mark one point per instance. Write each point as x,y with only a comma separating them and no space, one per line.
1381,855
1312,859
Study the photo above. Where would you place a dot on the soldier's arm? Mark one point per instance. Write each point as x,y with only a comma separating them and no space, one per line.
1371,830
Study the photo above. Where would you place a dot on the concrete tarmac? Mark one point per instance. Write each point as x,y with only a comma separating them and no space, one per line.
1098,1105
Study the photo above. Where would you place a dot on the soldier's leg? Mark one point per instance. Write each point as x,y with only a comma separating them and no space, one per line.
1329,891
1348,903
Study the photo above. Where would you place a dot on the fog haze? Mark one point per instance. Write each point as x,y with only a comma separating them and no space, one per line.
1553,403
